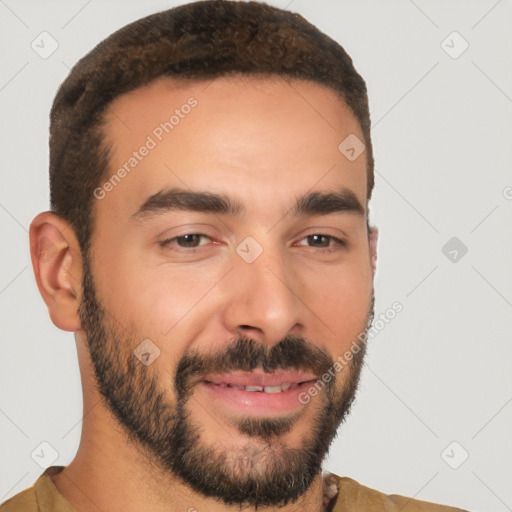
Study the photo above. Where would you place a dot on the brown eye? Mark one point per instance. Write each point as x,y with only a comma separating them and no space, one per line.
190,240
319,240
324,242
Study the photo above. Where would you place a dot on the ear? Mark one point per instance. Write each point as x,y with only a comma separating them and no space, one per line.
373,235
57,264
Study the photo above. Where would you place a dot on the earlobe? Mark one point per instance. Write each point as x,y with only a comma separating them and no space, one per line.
373,236
57,264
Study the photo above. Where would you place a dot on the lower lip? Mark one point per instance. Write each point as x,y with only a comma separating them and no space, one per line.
257,403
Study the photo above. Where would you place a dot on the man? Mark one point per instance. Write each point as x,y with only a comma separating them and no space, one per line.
209,246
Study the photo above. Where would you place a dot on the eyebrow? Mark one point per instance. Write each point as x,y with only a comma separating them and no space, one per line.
178,199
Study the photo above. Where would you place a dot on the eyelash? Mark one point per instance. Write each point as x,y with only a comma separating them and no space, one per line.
191,250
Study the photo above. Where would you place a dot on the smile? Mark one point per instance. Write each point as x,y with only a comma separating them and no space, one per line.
259,389
258,393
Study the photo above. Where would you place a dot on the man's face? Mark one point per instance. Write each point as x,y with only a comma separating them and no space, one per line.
247,306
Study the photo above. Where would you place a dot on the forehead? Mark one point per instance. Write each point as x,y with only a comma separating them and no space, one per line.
261,134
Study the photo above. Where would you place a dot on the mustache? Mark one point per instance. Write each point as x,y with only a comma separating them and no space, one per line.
246,354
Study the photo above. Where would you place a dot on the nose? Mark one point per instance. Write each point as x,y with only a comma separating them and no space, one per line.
263,299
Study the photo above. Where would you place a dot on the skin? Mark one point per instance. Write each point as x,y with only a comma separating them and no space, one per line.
264,142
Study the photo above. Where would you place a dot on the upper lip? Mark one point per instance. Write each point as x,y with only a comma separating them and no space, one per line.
260,378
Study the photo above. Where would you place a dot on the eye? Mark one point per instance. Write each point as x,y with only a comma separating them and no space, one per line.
190,241
187,241
324,243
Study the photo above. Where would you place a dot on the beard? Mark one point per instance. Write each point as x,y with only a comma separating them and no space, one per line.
263,471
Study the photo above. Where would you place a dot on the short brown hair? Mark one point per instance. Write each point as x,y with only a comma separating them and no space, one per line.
201,40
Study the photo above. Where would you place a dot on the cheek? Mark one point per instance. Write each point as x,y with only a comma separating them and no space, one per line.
174,307
155,297
342,301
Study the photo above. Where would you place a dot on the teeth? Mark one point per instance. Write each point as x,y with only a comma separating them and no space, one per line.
272,389
260,389
254,388
267,389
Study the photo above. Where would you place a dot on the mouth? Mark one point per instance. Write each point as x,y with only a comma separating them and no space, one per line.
259,389
258,393
261,382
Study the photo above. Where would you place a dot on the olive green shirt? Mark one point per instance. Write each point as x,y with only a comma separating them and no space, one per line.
341,494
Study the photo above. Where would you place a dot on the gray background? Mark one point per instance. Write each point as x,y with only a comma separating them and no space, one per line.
442,130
